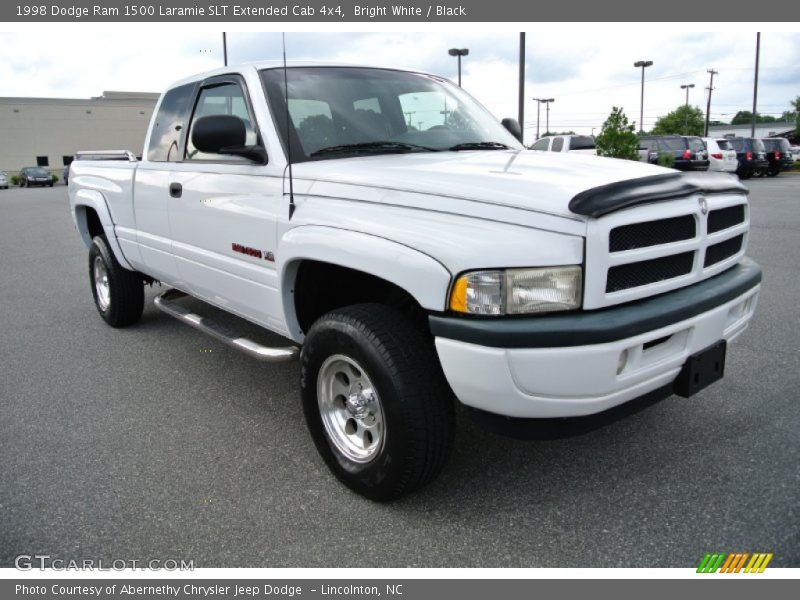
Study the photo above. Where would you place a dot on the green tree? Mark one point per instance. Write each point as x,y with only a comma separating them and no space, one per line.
618,138
796,105
684,120
745,117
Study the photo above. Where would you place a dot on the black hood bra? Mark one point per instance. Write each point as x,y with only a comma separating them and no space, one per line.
611,197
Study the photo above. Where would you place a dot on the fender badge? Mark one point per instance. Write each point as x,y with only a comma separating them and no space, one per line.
703,205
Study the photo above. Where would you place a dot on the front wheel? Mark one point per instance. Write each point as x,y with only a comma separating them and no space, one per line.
375,400
118,293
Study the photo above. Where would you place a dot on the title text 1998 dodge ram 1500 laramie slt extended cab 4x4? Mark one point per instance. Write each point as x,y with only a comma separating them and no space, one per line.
384,222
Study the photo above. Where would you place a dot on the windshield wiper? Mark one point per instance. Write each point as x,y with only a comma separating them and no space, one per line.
478,146
382,146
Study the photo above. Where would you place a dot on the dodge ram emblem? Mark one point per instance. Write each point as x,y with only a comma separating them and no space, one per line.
703,205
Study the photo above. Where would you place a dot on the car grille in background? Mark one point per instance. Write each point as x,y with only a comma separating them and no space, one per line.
623,277
725,218
719,252
652,233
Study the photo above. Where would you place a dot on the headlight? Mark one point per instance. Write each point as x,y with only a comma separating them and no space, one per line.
518,291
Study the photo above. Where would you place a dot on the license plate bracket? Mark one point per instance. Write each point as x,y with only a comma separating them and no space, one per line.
701,370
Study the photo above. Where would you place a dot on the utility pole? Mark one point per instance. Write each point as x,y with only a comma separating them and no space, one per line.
225,47
538,112
755,86
547,105
710,89
521,99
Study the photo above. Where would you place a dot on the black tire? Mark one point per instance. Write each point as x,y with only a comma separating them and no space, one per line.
415,401
50,184
744,175
126,288
773,172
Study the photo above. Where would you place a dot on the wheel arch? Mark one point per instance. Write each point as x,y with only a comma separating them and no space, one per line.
90,211
401,269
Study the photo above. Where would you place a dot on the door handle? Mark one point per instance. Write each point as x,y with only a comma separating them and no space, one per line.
175,190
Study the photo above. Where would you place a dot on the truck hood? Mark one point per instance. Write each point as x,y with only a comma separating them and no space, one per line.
543,182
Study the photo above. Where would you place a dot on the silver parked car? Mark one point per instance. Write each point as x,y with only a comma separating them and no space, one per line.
3,180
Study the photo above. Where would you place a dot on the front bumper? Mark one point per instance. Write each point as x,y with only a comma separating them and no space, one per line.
567,365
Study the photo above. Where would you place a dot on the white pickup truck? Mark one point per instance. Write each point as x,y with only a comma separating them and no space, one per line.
413,252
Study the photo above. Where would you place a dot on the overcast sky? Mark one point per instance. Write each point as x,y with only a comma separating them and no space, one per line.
587,72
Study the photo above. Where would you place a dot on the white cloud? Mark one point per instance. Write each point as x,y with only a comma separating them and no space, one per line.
587,71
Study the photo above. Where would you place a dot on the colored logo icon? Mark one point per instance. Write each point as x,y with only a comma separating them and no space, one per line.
735,562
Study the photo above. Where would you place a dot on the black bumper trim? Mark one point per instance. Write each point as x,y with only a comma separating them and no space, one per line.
603,325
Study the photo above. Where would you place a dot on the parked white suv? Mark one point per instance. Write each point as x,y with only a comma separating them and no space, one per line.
583,144
415,263
721,155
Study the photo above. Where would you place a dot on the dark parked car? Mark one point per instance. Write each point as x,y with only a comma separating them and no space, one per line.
689,151
752,156
34,176
779,155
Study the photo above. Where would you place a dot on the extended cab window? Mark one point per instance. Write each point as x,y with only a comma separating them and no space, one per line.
558,144
223,99
166,134
541,145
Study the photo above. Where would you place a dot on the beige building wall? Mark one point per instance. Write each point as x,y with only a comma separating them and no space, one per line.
57,128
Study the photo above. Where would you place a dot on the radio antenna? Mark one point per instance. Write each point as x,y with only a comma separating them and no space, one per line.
288,133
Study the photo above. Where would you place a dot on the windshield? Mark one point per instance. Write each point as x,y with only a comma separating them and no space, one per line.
37,172
339,112
724,145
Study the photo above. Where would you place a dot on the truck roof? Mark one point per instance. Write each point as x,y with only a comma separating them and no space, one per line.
273,64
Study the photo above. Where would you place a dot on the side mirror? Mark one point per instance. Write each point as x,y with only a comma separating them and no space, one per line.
513,128
224,134
213,133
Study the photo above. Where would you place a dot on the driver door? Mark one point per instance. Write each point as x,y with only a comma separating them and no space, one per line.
223,213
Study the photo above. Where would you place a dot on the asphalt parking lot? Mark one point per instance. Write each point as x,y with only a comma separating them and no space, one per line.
156,442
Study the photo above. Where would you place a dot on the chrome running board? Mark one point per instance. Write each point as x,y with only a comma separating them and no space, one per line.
166,302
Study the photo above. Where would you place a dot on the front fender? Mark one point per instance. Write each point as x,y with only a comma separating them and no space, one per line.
85,199
422,276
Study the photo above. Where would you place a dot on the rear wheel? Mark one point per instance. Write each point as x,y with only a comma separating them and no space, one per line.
118,293
375,400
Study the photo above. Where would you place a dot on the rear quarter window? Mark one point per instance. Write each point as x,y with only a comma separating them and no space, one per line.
582,142
673,144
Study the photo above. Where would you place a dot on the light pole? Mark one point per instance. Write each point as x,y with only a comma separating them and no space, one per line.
687,87
643,64
755,86
225,48
459,52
